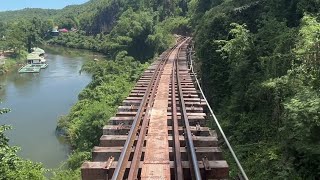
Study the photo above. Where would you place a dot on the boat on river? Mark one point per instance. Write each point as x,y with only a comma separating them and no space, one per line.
35,62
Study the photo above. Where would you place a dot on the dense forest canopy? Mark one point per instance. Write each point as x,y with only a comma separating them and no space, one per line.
260,65
28,13
258,62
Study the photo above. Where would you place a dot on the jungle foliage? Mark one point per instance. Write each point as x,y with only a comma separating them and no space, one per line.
17,38
137,31
260,69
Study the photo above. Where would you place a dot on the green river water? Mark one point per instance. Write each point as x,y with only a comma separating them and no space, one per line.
38,100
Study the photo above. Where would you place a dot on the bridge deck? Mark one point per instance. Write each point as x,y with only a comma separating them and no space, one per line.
163,146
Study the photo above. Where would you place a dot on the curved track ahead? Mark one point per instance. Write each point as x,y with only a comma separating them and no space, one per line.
159,131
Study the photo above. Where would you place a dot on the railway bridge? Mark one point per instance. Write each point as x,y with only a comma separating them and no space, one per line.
159,131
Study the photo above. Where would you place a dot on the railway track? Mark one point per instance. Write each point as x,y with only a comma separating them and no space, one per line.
160,130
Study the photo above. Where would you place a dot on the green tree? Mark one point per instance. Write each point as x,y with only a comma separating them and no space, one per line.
308,47
15,37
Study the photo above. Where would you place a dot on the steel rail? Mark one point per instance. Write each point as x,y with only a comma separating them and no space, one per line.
134,167
124,156
177,153
191,148
126,151
216,120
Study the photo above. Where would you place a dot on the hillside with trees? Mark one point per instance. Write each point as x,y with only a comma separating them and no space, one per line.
260,68
27,14
258,62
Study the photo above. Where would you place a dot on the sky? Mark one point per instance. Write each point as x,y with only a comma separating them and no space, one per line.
47,4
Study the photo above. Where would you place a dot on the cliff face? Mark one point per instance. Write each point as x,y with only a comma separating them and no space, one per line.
104,20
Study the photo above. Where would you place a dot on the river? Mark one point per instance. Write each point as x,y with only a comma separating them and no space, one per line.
38,100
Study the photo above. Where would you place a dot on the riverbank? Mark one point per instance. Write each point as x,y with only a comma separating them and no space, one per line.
8,66
111,83
10,62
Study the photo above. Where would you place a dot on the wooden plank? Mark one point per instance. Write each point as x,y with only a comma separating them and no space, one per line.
193,120
98,170
156,160
124,129
119,140
103,153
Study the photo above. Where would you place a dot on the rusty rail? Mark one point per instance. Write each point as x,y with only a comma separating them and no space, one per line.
124,157
138,148
177,153
191,149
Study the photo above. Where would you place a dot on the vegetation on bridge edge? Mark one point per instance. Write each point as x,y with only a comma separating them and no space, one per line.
260,69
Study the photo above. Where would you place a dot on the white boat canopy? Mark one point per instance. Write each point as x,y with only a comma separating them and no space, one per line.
33,56
38,50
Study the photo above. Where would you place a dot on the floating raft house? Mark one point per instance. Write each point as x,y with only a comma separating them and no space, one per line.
30,68
35,62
